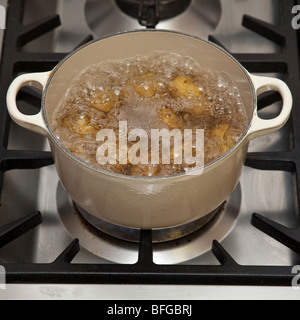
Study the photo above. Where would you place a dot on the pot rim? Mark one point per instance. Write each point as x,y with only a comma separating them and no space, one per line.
193,172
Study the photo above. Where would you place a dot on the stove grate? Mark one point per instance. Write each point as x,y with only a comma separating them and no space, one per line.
287,63
229,272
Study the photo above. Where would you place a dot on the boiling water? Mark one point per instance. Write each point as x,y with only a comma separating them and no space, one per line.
164,91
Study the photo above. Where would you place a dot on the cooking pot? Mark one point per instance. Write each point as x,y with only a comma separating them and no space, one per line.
148,202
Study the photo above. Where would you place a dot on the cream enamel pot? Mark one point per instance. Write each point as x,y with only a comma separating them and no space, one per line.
155,202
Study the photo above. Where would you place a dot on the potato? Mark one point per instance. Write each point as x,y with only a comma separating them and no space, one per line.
147,85
144,85
145,89
80,124
224,136
185,87
168,117
221,131
104,100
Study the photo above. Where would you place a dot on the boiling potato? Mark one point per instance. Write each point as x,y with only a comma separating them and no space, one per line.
168,117
147,85
224,136
199,109
80,124
185,87
145,89
165,91
84,126
103,100
221,131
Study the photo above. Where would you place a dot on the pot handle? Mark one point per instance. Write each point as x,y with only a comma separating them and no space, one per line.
261,127
36,122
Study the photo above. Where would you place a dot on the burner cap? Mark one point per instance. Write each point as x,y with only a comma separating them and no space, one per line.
150,12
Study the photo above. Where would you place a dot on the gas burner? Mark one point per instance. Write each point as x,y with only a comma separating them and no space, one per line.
158,235
203,17
150,12
181,249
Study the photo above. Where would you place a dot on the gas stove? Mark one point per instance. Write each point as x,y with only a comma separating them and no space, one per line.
51,250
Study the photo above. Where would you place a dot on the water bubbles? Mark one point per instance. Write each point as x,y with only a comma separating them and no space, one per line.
161,86
141,91
117,92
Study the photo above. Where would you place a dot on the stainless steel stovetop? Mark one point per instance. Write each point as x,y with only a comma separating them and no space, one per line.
270,193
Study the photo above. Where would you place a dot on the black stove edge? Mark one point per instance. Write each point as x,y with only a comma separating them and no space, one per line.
228,273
